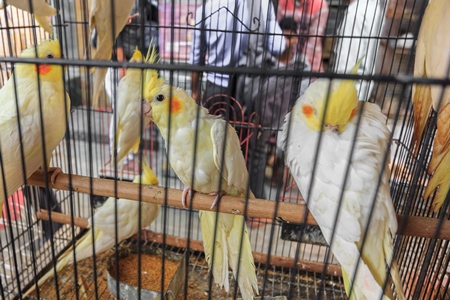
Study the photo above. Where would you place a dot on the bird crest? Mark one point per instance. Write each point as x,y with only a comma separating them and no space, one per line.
137,56
153,82
343,101
340,108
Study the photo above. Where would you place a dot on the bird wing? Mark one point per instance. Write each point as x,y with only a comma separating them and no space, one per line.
100,18
234,167
105,218
436,39
437,66
11,145
40,7
128,116
432,61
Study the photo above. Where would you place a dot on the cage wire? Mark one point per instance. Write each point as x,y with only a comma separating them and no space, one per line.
43,219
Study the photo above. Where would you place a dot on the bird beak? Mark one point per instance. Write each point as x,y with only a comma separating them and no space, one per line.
332,128
146,109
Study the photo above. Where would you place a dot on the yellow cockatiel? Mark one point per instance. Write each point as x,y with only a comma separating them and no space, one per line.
32,95
39,8
303,128
432,61
125,133
100,18
105,220
187,118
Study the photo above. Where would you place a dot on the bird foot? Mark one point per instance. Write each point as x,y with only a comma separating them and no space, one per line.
186,191
217,199
54,171
146,233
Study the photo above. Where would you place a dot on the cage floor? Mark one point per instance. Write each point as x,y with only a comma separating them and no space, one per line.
277,282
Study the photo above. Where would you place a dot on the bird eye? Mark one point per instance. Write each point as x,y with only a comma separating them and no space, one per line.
49,55
160,97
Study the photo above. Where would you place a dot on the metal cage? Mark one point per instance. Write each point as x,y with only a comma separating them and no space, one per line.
44,219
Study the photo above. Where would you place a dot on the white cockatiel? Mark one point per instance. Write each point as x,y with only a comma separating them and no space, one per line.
100,18
105,222
125,132
168,103
39,8
302,130
43,99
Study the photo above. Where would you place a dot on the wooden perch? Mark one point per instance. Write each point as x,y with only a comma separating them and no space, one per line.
275,260
257,208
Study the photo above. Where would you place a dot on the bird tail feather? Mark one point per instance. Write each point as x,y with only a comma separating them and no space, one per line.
220,265
242,257
397,281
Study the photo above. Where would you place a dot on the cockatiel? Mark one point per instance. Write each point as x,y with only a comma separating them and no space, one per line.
105,222
432,61
39,8
301,132
100,17
164,100
55,105
125,132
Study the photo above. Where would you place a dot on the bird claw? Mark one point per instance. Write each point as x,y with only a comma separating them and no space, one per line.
216,200
146,233
186,191
54,171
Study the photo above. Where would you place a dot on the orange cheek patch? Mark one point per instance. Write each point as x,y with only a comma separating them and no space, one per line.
307,110
43,69
175,105
354,112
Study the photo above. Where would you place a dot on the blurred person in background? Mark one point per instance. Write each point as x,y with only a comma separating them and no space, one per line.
271,97
358,37
312,16
222,39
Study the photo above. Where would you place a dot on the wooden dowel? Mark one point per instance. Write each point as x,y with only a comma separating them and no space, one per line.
257,208
62,218
275,260
290,212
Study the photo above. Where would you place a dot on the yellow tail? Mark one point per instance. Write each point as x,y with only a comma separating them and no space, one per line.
227,250
248,283
148,177
220,264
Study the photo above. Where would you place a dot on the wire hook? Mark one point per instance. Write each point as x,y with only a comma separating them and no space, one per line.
255,20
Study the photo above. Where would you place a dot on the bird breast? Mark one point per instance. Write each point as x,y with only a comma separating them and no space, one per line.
182,143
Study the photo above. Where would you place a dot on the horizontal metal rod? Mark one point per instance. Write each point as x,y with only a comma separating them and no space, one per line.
257,208
195,245
399,78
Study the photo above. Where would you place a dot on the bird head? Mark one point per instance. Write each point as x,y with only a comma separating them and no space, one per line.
341,106
148,176
47,50
161,99
168,100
